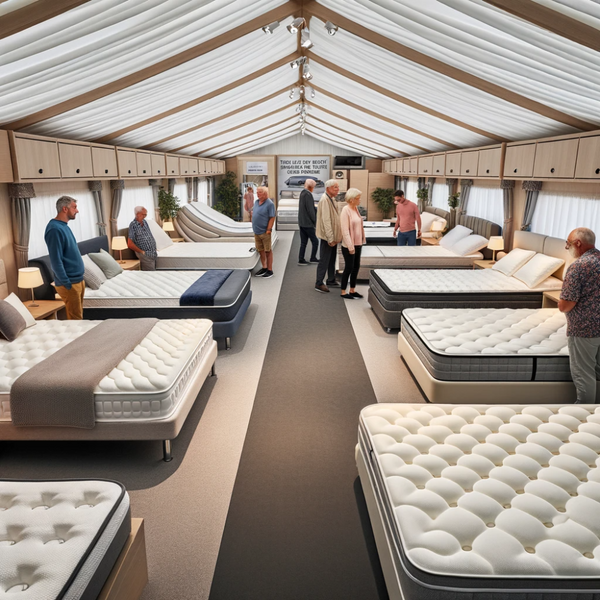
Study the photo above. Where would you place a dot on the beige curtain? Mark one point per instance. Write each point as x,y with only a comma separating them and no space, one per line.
189,182
533,190
171,185
20,195
117,186
195,186
96,188
430,184
508,196
452,188
465,191
156,185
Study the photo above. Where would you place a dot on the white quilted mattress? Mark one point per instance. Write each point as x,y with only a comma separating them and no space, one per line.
205,255
489,491
379,224
455,281
145,386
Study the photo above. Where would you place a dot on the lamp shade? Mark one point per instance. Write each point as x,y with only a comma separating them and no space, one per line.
437,226
30,277
496,243
119,243
168,226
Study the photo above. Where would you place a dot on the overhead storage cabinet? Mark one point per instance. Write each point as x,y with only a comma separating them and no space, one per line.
425,165
127,163
489,162
6,170
37,159
556,159
453,164
588,158
144,164
104,162
414,166
185,169
439,165
221,167
75,160
159,165
172,165
518,160
468,163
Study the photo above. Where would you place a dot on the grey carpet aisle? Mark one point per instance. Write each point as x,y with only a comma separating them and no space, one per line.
297,526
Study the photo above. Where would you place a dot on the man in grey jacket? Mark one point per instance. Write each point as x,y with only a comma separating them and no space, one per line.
307,221
329,231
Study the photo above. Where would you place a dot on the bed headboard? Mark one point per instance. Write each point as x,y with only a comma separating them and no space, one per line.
3,282
46,291
481,227
439,212
546,245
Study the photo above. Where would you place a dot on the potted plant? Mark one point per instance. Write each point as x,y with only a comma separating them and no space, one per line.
453,200
168,205
384,198
228,196
423,197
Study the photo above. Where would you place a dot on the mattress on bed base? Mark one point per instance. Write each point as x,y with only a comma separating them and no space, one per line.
489,344
146,386
217,256
60,539
487,502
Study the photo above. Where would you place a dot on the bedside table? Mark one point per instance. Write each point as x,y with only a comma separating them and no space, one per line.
484,264
550,299
430,241
130,265
47,309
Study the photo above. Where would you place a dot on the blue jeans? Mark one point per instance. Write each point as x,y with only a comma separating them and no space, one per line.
408,238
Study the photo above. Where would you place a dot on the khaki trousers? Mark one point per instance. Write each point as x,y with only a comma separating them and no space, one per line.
73,300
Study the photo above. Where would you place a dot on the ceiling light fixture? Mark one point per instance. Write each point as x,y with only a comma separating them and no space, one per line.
271,27
305,40
296,24
295,64
331,28
306,74
310,91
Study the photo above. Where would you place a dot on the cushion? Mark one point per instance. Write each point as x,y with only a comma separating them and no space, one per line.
11,321
93,275
427,219
455,235
110,267
539,268
15,302
469,245
161,237
513,261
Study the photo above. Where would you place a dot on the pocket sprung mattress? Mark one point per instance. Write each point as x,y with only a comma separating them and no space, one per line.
488,344
205,255
60,539
484,502
146,386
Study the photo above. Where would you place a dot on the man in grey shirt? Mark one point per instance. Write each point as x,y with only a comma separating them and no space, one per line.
307,221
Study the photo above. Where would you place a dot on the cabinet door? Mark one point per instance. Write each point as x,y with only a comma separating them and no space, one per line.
414,166
426,165
144,164
127,163
184,168
172,165
37,159
75,160
556,159
214,167
489,162
104,162
439,164
518,160
159,167
387,166
406,166
453,164
193,165
588,158
468,163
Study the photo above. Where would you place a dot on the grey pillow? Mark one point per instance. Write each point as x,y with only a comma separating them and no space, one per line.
11,322
93,275
110,267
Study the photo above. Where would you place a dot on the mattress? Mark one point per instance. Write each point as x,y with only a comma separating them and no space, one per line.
489,344
209,217
378,224
147,385
60,539
205,255
415,257
154,289
483,502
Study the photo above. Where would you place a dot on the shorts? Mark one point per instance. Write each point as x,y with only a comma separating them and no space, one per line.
262,242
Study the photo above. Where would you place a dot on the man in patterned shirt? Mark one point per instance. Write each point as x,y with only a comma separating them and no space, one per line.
141,240
580,301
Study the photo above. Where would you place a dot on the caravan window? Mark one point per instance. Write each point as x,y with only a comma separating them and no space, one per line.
136,193
486,203
439,198
558,213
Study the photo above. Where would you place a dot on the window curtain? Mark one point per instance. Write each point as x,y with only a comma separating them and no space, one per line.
171,185
96,189
420,186
117,186
20,195
452,188
439,196
189,193
180,191
508,200
135,194
195,186
533,189
410,191
404,184
558,213
212,192
465,191
486,203
155,184
430,184
202,190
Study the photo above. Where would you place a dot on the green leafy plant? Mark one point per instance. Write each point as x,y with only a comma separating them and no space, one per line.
423,195
453,200
362,211
228,196
168,205
384,198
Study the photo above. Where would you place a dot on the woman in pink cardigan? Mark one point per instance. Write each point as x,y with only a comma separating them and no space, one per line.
353,238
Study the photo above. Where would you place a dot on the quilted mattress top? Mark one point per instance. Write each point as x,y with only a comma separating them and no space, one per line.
492,491
455,281
152,366
475,331
208,250
46,528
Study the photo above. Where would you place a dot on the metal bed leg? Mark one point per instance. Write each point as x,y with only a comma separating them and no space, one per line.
228,343
167,456
213,370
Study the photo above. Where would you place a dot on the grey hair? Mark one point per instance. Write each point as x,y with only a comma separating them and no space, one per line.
262,187
310,183
138,209
351,194
64,202
585,235
331,182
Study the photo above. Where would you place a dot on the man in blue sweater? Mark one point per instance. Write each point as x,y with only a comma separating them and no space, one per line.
65,257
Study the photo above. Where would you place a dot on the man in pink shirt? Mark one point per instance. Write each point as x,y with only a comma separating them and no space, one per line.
407,214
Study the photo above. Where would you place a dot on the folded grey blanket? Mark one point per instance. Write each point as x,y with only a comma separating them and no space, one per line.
59,391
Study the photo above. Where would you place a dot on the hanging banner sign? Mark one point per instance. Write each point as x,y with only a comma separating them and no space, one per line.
256,168
295,170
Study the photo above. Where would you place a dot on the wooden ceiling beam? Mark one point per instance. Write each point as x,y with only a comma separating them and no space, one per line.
385,119
551,20
313,9
358,145
401,99
33,14
278,14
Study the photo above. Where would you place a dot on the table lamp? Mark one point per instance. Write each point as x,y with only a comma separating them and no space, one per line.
30,277
496,243
119,243
437,227
168,226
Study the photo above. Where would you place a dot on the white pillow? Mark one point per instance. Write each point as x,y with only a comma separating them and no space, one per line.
455,235
427,219
513,261
469,245
93,275
161,237
538,269
15,302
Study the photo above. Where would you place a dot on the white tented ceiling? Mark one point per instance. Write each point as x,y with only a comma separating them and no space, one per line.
398,78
